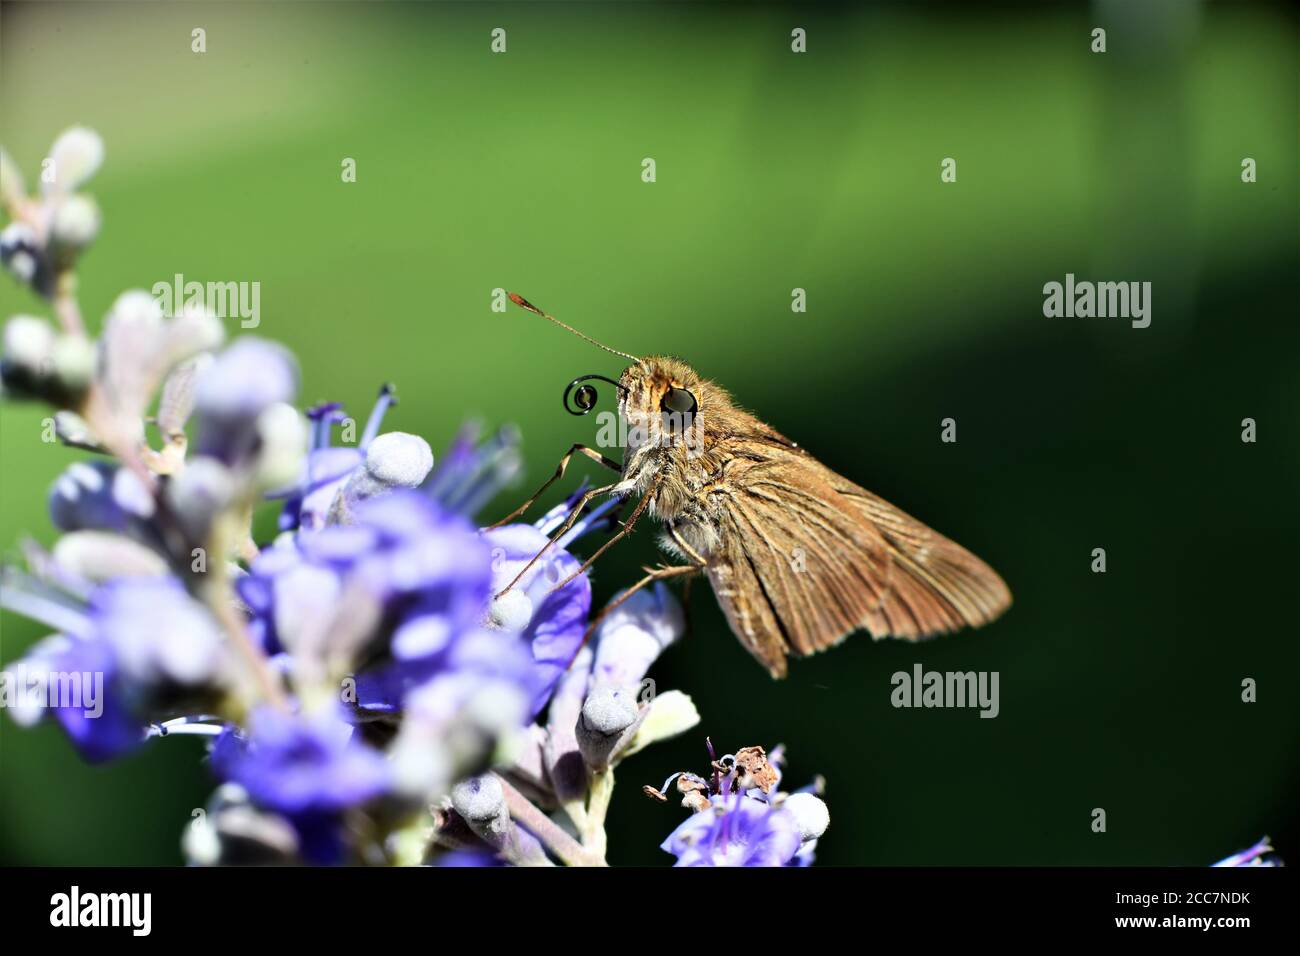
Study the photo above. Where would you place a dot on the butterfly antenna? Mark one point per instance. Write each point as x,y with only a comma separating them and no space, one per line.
520,301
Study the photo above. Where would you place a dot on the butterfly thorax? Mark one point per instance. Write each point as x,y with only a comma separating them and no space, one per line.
685,462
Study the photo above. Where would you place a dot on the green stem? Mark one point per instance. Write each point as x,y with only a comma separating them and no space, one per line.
593,834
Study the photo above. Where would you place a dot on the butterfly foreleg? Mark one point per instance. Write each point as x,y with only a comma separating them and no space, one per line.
623,533
563,529
577,449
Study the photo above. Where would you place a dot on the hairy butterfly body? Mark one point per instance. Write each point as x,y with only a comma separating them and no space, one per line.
798,556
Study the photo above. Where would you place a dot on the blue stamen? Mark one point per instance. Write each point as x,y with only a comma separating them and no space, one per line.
387,398
585,523
322,417
469,477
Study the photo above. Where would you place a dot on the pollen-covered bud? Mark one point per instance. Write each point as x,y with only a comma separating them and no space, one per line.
36,362
283,437
231,394
73,363
74,227
610,716
199,493
810,814
393,460
510,612
481,803
28,347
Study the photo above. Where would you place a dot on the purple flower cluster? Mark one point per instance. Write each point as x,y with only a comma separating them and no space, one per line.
127,673
740,817
383,682
391,672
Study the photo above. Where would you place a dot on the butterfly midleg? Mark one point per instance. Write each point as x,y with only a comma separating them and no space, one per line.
577,449
685,546
623,533
652,575
568,523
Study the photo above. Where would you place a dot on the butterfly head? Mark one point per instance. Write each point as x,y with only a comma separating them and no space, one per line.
661,399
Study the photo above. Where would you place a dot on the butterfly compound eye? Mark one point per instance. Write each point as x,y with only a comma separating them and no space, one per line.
680,401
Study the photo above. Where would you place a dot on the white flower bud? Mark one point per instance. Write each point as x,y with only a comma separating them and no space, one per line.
199,493
193,331
479,800
512,611
810,813
76,223
399,460
29,344
200,843
73,361
283,433
182,645
481,803
77,154
23,265
102,555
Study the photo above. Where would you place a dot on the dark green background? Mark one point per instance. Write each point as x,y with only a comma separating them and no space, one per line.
775,170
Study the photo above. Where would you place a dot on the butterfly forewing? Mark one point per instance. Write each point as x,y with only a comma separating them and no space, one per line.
808,557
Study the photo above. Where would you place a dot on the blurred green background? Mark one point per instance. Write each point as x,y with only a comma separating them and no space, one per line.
775,171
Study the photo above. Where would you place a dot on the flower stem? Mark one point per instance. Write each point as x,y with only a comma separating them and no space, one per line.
65,303
219,596
602,788
569,850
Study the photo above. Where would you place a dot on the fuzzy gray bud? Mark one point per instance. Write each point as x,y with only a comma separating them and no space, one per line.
610,716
